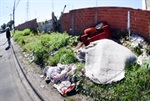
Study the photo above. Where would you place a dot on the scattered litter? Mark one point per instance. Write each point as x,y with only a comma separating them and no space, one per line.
81,55
139,46
136,40
142,58
31,57
59,75
42,86
41,76
53,52
25,54
64,87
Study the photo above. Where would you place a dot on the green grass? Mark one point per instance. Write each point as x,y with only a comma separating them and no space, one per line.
63,56
44,44
54,48
135,87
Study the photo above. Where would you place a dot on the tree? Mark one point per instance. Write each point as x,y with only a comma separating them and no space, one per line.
3,26
10,23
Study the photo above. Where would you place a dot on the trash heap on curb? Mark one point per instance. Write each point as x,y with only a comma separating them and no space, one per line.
61,76
105,61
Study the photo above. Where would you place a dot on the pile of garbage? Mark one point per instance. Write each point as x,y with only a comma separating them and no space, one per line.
61,76
137,44
105,61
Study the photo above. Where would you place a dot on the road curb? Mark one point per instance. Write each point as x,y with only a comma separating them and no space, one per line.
34,95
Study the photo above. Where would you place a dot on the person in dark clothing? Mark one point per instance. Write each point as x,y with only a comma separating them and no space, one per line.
8,36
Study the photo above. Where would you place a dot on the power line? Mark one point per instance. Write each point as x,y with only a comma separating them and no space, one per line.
17,3
8,10
27,13
5,13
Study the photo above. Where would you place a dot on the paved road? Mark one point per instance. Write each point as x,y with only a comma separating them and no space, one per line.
12,83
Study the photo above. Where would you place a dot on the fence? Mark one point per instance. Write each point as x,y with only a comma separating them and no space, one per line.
30,24
76,21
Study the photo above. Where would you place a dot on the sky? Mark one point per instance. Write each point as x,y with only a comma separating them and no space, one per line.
26,10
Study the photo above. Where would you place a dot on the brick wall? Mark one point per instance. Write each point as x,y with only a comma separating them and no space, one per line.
80,19
32,24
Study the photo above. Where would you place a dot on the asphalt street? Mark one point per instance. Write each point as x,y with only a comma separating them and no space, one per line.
12,83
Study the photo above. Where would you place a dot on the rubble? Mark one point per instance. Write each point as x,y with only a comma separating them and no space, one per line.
136,40
140,46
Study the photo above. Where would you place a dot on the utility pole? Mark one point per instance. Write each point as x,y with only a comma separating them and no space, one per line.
14,14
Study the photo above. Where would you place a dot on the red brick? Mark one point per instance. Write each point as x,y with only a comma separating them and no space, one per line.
115,16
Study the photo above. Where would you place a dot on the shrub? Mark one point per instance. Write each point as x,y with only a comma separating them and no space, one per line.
18,36
39,53
63,56
26,32
46,44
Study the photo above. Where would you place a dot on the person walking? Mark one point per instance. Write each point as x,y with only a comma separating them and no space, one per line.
8,36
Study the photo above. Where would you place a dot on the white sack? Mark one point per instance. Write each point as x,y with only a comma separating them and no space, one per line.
106,60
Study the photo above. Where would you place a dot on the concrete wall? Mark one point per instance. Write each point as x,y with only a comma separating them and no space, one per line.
48,26
80,19
32,24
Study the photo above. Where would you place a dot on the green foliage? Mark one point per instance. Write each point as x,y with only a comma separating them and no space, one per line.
54,40
73,40
63,56
50,49
135,86
47,43
39,53
3,26
43,45
23,37
146,64
26,32
18,36
80,67
10,23
137,50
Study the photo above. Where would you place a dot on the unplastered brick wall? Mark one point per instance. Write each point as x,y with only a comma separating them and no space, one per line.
32,24
76,21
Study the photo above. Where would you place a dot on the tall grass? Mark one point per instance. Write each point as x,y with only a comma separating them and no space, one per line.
44,44
134,87
50,49
63,56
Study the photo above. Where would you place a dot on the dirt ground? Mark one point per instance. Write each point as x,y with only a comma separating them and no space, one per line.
46,91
